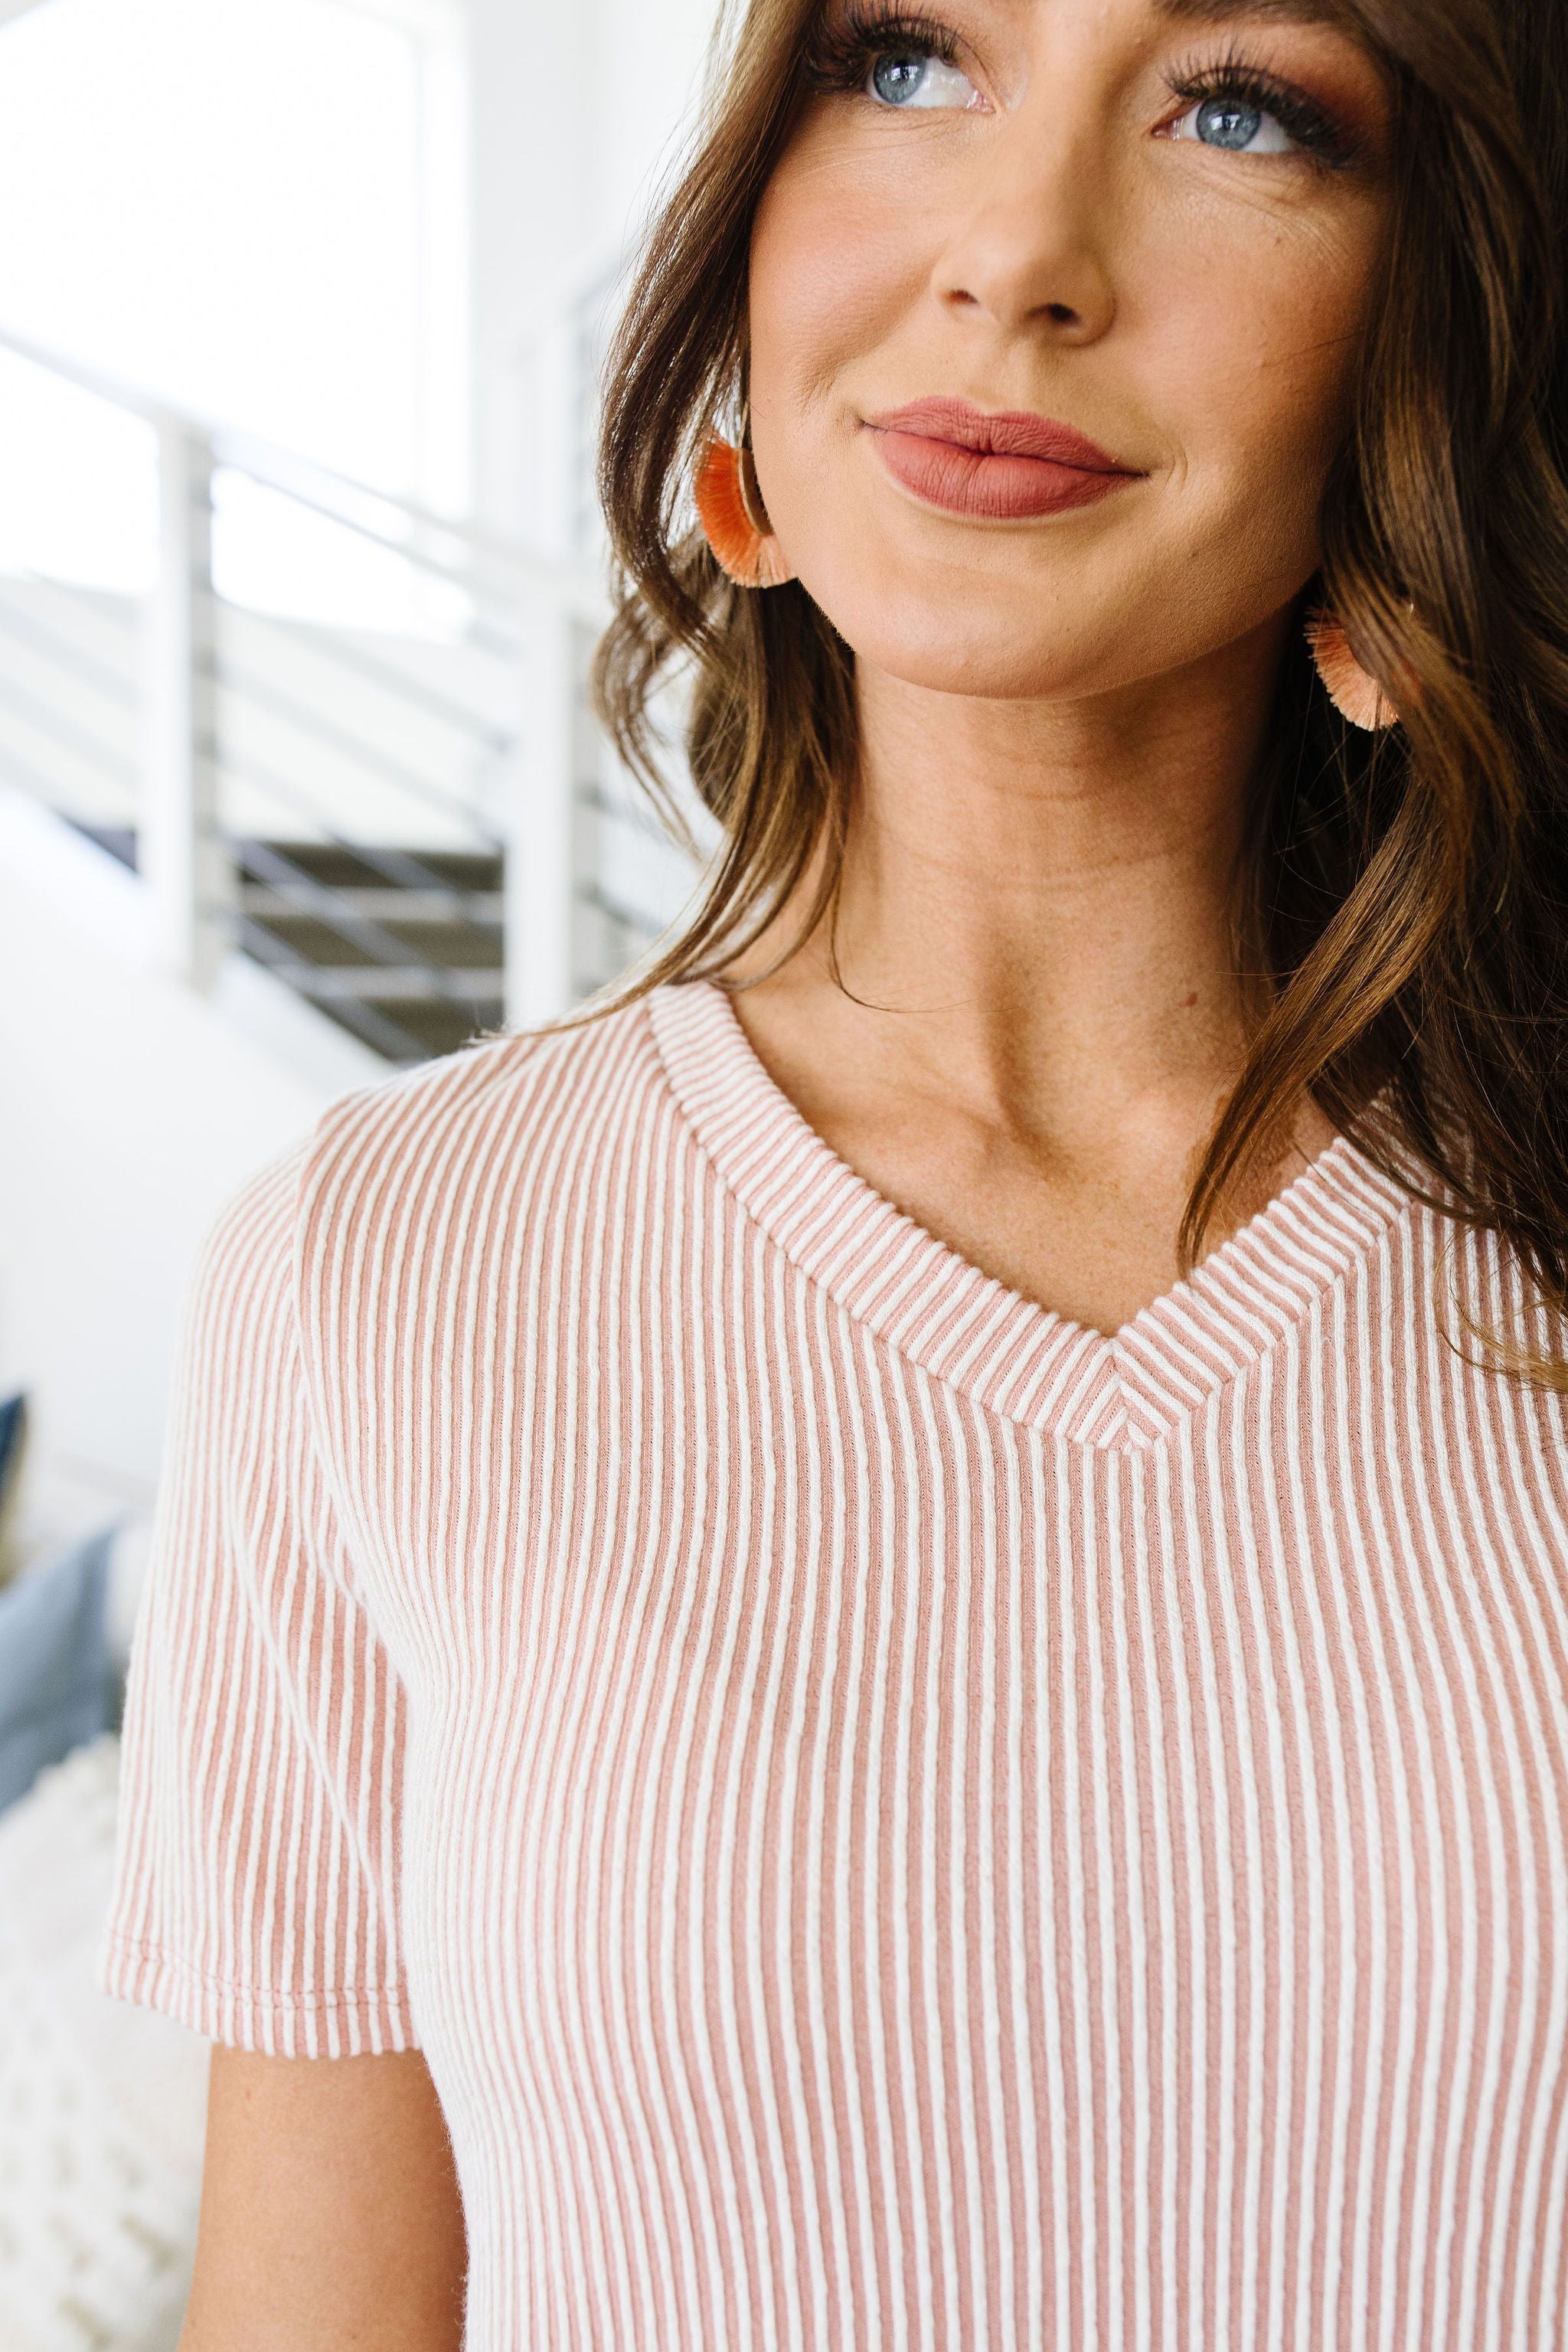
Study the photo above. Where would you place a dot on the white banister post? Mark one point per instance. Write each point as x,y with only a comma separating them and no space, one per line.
180,855
540,823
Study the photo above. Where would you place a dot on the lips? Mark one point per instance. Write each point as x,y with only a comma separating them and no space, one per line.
997,465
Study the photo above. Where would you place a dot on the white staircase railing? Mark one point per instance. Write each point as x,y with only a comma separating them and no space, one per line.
338,732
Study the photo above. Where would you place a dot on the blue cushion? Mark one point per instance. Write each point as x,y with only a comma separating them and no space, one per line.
56,1674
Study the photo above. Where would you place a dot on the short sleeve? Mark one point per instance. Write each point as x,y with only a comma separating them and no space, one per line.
256,1888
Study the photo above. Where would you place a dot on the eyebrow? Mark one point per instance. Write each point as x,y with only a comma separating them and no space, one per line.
1227,12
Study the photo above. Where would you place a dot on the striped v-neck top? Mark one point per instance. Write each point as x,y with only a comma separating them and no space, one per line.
895,1819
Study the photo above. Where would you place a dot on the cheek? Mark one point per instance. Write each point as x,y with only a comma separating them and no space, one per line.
1249,354
833,267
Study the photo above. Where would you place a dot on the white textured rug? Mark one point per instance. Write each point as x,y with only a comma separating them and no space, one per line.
101,2104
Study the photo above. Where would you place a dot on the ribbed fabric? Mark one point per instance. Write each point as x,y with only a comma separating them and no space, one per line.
895,1819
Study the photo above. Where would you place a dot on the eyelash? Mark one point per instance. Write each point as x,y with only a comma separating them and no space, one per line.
843,51
1325,140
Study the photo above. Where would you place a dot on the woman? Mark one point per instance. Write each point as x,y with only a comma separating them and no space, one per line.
890,1629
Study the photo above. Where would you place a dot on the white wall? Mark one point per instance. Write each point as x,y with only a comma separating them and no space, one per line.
576,111
129,1111
647,56
223,203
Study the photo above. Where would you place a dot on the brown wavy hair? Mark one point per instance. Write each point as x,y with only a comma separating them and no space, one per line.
1405,895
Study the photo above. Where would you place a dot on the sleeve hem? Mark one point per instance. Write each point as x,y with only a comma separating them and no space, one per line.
349,2022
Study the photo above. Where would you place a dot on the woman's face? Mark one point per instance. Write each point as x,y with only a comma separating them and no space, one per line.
1122,253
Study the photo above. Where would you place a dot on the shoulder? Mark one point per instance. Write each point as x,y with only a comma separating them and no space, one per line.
433,1182
433,1178
487,1118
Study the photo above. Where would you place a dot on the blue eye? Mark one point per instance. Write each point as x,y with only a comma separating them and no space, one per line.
907,77
1237,124
897,79
1224,122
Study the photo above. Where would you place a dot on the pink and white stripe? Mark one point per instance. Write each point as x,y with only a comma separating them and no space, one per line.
895,1820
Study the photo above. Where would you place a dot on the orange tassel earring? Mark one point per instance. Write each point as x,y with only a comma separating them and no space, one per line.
734,520
1354,694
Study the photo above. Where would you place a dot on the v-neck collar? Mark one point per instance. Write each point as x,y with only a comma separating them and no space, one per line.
1009,1353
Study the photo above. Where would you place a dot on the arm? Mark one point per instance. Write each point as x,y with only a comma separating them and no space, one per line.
330,2209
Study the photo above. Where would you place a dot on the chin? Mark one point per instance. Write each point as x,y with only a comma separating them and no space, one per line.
1005,629
947,641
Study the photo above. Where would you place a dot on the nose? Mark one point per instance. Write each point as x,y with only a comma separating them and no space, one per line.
1032,246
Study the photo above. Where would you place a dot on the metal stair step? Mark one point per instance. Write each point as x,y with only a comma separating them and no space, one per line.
341,866
382,903
391,946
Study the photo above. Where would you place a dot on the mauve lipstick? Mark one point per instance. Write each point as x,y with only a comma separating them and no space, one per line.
999,466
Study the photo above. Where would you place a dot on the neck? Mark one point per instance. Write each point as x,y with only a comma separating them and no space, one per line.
1039,905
